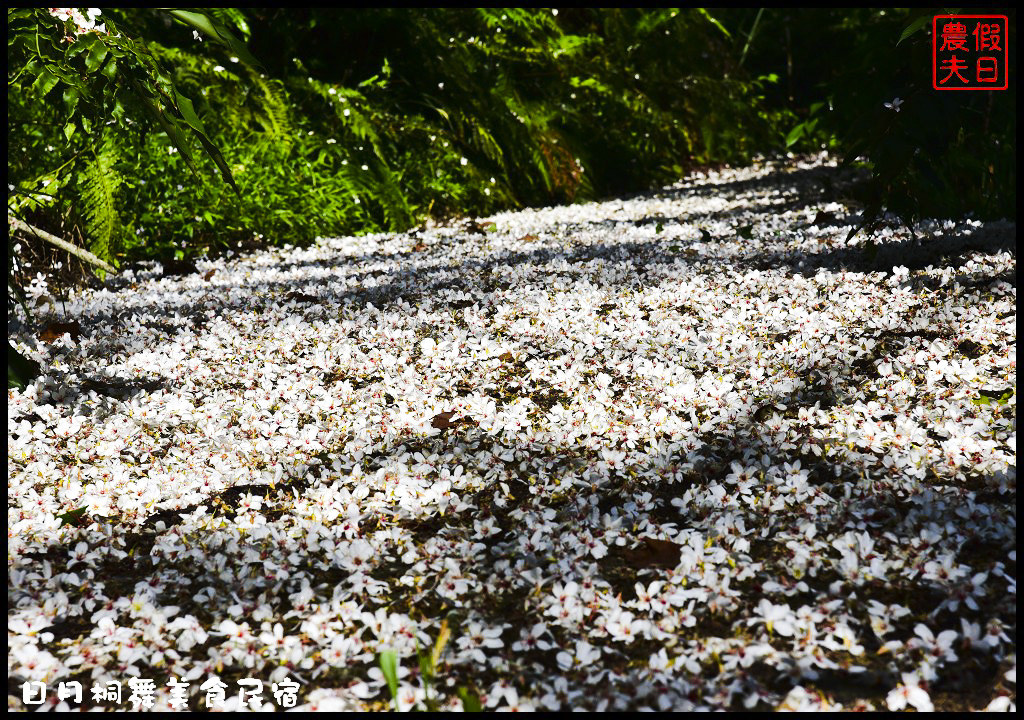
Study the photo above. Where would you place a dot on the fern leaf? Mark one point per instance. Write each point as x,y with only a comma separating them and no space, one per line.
98,182
397,213
275,113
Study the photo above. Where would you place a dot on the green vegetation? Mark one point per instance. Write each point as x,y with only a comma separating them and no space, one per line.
861,82
142,134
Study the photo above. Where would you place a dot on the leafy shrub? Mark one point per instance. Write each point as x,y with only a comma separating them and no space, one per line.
859,81
103,78
460,112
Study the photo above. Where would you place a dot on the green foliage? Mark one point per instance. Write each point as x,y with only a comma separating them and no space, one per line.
941,153
102,77
999,397
20,369
273,111
101,73
467,113
859,82
350,121
98,181
388,661
75,518
214,25
429,666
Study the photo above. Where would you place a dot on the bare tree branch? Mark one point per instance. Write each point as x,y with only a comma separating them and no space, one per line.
78,252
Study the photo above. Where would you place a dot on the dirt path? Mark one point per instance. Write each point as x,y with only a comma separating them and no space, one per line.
688,450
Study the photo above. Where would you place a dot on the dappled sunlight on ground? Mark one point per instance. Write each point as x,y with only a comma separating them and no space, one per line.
688,450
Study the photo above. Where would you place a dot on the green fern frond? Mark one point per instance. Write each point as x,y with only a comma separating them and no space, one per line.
97,182
656,20
488,145
362,127
274,113
397,213
350,107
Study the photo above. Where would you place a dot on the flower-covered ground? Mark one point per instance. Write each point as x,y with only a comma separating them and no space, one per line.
688,450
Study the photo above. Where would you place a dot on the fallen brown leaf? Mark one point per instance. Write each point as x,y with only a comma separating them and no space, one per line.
653,553
173,268
442,421
54,331
824,218
209,274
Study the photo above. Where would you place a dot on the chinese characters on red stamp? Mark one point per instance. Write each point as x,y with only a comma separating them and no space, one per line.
969,52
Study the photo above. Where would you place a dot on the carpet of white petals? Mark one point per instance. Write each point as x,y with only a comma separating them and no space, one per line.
688,450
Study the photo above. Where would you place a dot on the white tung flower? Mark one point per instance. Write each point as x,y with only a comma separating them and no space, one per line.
894,105
909,693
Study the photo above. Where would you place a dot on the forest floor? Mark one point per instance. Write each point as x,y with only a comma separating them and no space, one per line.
686,450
